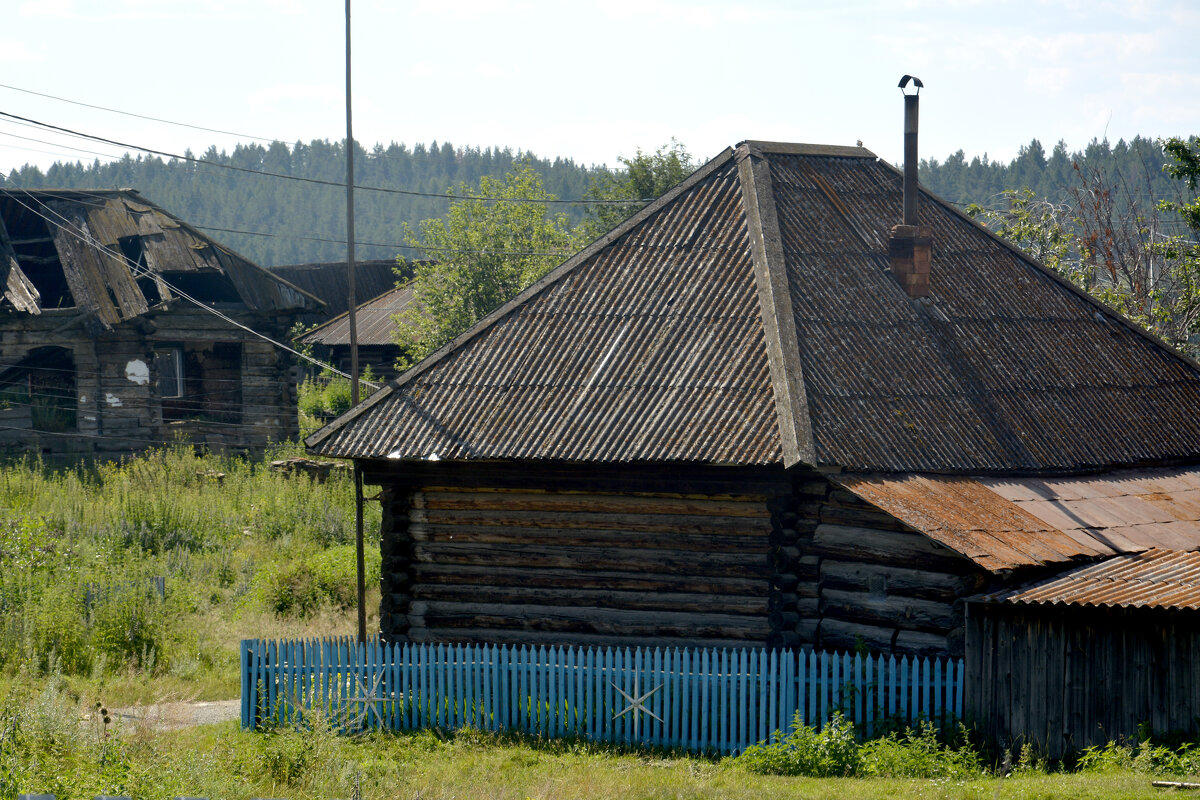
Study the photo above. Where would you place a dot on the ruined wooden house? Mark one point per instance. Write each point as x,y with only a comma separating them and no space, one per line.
122,327
761,413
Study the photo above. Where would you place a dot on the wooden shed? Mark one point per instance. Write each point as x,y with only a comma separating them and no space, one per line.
1107,651
760,413
122,327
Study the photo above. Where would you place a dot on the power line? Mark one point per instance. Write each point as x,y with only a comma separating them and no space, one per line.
419,248
318,181
139,116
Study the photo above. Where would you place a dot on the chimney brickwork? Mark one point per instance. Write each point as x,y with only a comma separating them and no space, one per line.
910,249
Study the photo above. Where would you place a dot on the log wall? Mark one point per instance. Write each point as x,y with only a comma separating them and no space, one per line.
880,583
1069,677
573,556
116,413
679,555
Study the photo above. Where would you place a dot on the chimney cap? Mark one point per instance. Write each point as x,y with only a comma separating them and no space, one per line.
915,81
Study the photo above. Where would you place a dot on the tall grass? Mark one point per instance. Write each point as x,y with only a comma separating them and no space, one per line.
242,549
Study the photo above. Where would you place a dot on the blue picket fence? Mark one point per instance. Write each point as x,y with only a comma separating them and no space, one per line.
717,700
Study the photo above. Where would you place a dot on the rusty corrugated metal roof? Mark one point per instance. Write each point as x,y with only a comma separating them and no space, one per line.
1151,579
1009,523
52,224
1005,368
374,320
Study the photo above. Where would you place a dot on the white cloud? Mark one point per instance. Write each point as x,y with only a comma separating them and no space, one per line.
419,69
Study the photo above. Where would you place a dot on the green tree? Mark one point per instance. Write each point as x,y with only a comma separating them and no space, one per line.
479,255
646,176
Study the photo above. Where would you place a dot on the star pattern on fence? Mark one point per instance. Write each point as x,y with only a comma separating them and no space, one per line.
636,704
369,699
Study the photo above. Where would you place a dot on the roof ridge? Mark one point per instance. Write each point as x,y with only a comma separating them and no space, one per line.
775,306
538,286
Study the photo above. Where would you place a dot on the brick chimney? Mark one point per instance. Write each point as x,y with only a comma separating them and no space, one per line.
910,245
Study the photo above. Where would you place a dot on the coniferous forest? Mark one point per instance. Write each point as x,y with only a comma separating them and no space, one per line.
296,214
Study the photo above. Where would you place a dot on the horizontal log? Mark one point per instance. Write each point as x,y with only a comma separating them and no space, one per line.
684,481
844,635
906,613
470,575
611,558
549,638
646,523
606,621
922,644
591,503
692,602
919,583
867,518
580,537
895,548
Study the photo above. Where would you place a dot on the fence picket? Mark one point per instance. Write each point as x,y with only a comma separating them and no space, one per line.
703,699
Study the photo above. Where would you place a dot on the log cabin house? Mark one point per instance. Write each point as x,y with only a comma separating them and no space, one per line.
122,327
761,413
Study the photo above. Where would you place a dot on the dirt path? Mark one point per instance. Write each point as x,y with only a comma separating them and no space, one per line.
171,716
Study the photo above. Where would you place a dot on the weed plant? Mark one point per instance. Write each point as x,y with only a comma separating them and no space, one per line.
244,551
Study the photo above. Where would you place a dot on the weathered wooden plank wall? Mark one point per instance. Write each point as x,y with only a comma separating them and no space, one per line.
1066,678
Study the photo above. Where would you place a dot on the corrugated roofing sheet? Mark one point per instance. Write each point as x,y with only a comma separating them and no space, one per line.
651,349
374,320
1153,579
1008,523
1003,368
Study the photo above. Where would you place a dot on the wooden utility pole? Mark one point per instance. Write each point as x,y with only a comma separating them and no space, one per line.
350,270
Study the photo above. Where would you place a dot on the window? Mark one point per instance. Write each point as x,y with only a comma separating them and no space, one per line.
168,364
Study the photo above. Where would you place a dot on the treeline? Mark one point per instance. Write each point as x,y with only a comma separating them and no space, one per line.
293,212
1137,163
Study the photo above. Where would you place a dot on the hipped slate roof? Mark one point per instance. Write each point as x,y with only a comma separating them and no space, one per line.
72,222
750,317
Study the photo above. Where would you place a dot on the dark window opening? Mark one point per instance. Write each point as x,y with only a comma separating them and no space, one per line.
135,252
38,391
205,286
200,381
36,253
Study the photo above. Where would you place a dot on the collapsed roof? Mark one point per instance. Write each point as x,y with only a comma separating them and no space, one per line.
750,316
53,247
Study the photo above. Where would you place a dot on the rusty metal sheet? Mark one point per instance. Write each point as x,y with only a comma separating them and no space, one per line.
963,514
1157,578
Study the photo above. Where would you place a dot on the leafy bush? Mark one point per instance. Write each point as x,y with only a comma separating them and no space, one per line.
1146,757
832,751
918,754
329,576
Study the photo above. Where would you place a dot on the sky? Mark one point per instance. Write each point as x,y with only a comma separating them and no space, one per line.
595,81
